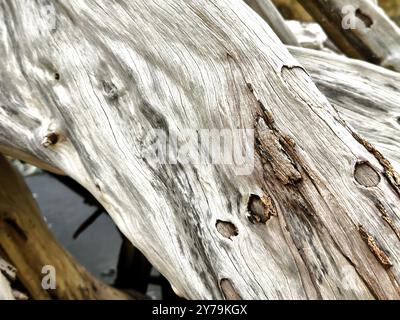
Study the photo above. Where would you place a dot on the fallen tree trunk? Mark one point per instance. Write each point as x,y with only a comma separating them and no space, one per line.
360,29
317,217
31,248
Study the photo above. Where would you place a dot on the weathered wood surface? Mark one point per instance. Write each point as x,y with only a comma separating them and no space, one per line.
7,272
267,10
359,28
316,218
5,289
7,269
366,96
30,246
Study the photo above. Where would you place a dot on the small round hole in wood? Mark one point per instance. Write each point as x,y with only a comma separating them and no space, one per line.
366,175
226,229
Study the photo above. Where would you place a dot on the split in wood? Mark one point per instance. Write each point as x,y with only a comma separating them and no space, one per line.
229,290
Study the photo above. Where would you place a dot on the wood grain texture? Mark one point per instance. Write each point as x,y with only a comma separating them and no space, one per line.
267,10
359,28
113,71
366,96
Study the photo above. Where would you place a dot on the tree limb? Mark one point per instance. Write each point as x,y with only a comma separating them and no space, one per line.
360,28
266,9
365,95
311,219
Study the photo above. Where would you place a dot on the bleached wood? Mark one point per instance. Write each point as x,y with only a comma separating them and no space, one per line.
7,269
267,10
5,289
82,97
366,96
7,272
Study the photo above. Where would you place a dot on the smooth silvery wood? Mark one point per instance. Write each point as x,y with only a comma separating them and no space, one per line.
5,289
267,10
6,269
316,218
365,95
360,28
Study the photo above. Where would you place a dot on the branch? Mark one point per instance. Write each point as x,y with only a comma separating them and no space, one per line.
315,218
366,96
267,10
360,28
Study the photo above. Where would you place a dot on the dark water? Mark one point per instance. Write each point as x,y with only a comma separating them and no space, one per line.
98,246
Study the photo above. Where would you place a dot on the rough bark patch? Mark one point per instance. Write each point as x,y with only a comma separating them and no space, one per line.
380,255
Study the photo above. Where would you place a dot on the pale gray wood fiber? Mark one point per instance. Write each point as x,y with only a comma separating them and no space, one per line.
366,96
360,28
82,97
267,10
5,289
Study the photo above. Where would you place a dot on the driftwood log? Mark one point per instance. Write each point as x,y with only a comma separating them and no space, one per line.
359,28
29,245
317,217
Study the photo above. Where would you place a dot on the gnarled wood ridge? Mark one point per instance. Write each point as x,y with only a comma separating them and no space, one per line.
84,91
